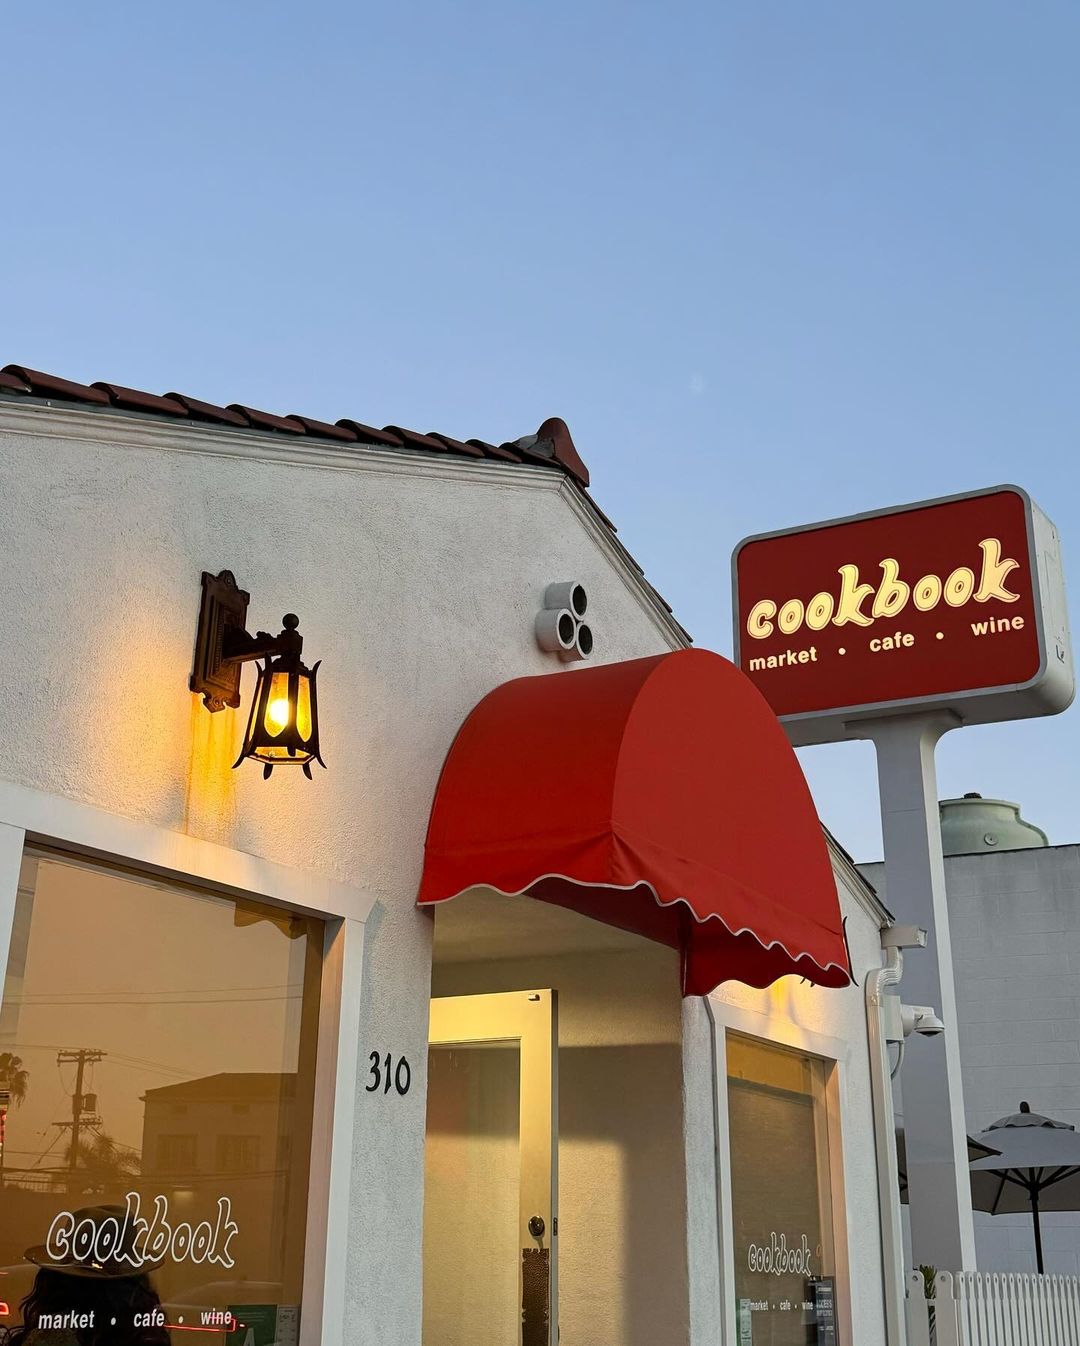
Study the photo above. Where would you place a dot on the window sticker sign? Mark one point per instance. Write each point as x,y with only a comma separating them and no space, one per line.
822,1296
957,603
138,1239
775,1258
264,1325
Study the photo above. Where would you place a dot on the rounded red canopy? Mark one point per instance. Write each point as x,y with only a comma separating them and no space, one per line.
659,795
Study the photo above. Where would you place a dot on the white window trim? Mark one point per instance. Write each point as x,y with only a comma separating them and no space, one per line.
781,1032
32,817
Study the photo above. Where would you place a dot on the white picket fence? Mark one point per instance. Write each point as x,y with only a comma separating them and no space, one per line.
992,1309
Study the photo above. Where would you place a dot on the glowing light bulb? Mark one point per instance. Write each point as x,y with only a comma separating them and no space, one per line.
277,713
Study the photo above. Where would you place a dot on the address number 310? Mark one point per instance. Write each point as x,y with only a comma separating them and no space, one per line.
383,1074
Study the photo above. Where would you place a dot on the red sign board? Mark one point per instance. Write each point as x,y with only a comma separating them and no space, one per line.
956,603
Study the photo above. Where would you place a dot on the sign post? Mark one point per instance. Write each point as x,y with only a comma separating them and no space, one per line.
898,626
935,1128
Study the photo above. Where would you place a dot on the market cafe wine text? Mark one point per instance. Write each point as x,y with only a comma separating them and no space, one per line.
955,604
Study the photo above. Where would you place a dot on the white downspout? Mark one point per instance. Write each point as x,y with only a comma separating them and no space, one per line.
879,981
717,1169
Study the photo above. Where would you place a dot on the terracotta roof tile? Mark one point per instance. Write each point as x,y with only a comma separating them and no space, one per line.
367,434
131,399
555,431
599,512
324,430
456,446
207,411
266,420
413,439
550,446
48,385
526,449
506,452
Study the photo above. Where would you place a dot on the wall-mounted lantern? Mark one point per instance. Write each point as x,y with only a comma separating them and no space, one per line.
283,727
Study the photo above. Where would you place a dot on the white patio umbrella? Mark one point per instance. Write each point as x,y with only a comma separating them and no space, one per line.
1037,1168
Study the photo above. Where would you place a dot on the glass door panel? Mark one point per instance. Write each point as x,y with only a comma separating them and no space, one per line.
490,1200
781,1195
471,1197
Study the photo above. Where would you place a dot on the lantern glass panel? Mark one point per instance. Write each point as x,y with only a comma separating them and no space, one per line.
303,709
278,712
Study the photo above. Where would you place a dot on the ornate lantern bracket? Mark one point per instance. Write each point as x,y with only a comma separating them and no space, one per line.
223,643
283,727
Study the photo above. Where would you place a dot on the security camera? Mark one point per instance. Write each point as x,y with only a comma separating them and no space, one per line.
920,1019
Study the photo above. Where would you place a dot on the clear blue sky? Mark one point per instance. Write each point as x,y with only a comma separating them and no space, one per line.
772,262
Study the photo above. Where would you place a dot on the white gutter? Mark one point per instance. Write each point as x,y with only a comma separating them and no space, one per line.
879,982
725,1327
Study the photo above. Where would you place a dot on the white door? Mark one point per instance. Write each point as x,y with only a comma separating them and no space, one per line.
491,1171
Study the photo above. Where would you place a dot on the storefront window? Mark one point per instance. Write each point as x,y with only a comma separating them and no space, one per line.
781,1193
157,1052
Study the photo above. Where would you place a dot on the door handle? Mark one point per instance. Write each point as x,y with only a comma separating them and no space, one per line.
537,1226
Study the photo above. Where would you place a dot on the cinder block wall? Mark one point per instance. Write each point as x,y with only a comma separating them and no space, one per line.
1015,920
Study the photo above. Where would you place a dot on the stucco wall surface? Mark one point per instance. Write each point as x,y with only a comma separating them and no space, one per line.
416,582
833,1022
1015,922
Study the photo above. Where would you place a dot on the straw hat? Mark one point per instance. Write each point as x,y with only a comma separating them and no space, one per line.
110,1268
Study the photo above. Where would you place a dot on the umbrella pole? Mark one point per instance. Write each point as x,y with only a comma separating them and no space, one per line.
1038,1230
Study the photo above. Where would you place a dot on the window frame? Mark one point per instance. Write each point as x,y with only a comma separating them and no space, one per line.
835,1054
34,818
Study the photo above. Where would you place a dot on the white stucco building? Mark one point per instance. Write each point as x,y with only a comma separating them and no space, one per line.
169,924
1014,916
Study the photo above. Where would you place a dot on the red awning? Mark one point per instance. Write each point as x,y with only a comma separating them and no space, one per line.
658,795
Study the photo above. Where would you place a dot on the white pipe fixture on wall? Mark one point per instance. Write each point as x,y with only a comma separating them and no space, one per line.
560,625
885,1024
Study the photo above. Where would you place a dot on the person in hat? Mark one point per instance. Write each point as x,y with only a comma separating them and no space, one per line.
81,1301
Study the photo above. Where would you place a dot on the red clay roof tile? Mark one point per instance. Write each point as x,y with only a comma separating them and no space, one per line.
530,453
599,512
48,385
551,445
207,411
413,439
266,420
367,434
456,445
324,430
132,399
504,451
555,430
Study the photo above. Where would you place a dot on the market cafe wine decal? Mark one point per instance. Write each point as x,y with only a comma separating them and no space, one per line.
814,1303
775,1258
954,604
136,1240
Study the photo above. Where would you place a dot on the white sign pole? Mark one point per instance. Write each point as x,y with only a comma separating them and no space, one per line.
935,1129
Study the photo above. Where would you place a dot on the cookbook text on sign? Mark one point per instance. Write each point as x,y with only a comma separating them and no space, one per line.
955,604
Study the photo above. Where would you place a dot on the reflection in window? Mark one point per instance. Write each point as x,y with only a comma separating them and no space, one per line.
159,1041
174,1153
238,1154
781,1194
